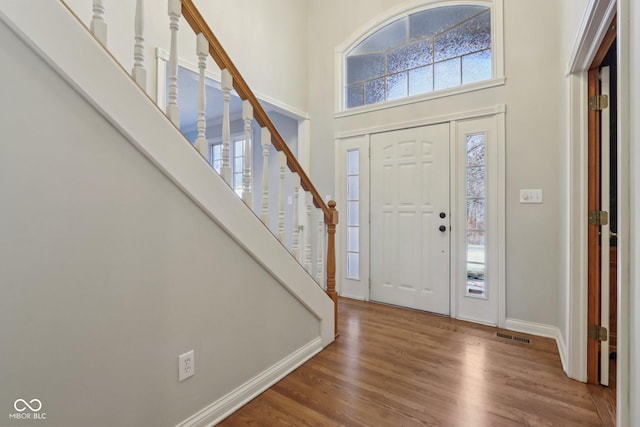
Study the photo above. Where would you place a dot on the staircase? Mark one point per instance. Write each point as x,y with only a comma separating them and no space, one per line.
117,254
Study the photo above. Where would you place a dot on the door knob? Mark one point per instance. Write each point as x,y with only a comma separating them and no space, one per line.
442,228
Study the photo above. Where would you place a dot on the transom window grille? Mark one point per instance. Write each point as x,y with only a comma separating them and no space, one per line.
476,184
426,51
353,214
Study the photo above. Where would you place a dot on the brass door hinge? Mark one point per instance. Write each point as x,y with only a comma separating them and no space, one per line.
599,217
598,102
598,333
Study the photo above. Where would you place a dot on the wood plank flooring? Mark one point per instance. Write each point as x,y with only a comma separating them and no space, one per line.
396,367
604,398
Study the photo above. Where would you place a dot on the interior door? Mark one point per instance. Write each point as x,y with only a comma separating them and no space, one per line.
410,225
599,205
605,184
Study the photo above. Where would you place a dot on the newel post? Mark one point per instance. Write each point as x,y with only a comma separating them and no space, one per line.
332,221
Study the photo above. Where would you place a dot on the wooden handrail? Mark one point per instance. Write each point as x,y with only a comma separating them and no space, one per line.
222,59
220,56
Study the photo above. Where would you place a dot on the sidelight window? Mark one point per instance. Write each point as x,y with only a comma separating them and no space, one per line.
476,229
353,214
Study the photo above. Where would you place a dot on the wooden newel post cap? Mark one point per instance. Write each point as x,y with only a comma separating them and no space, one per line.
334,213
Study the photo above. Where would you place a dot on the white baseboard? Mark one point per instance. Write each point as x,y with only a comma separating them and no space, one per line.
541,330
355,297
225,406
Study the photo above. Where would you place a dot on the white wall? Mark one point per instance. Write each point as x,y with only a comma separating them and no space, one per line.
534,74
108,271
266,40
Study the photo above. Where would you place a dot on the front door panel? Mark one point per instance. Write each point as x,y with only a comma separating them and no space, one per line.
410,232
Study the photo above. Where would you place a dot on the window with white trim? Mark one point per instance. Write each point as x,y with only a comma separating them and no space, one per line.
236,161
238,165
423,51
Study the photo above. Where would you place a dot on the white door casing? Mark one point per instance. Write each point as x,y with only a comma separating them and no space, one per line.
410,240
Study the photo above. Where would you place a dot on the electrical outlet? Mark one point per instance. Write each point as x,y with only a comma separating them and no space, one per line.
186,365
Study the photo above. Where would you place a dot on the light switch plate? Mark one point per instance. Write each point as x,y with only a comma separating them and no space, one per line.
531,196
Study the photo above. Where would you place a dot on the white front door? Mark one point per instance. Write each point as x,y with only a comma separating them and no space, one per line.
410,225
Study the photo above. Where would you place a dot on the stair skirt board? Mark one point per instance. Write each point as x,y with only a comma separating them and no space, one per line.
225,406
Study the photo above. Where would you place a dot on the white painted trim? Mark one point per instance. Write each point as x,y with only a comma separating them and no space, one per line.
455,213
497,34
278,106
593,28
548,331
562,349
159,140
577,235
445,118
471,87
228,404
354,297
474,320
405,9
628,379
501,231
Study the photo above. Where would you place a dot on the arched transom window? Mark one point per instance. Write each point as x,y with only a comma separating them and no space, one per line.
426,51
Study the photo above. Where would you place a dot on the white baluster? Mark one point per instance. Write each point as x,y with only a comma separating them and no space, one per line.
282,166
320,257
202,50
138,73
247,116
175,11
227,85
98,24
307,238
295,237
265,139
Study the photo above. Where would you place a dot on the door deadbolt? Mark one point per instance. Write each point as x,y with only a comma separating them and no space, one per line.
443,215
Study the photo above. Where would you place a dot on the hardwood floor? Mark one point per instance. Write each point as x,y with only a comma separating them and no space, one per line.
604,398
396,367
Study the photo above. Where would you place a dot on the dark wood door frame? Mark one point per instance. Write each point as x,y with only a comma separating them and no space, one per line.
593,240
